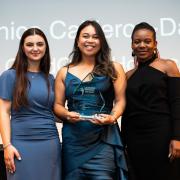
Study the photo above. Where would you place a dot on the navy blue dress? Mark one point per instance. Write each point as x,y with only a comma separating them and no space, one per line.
91,151
33,129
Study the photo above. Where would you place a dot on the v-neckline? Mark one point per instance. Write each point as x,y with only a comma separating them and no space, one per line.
81,80
74,76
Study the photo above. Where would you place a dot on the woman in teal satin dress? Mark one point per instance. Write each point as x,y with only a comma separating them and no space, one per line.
94,88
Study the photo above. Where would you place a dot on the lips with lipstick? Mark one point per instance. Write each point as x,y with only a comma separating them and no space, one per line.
89,47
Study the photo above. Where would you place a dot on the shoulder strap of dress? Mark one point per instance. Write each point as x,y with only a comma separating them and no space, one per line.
67,68
66,72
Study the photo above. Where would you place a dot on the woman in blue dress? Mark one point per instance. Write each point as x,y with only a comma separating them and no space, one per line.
94,88
30,138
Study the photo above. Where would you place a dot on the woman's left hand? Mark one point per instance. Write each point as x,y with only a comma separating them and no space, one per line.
102,119
174,149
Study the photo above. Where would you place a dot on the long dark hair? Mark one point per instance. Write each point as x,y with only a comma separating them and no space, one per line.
21,66
104,64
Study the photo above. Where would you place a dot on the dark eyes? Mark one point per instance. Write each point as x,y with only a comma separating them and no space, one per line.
96,37
40,44
86,36
145,41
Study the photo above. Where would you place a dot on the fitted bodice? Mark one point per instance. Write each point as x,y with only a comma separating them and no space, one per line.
36,121
87,98
90,97
147,93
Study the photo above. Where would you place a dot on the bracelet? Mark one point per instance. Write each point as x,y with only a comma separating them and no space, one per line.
6,145
114,120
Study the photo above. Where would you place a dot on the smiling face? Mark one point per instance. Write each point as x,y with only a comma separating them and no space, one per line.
89,42
34,47
143,44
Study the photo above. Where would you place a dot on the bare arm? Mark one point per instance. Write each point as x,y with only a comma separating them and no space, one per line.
119,88
5,130
9,151
172,71
59,105
130,73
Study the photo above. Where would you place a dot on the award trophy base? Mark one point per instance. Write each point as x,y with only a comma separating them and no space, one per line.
88,117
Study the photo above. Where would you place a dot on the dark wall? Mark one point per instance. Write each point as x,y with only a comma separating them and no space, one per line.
2,166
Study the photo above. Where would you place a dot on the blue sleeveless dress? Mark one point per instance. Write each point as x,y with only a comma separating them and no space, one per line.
33,129
91,151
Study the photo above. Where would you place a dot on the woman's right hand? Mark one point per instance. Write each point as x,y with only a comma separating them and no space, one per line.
10,153
73,117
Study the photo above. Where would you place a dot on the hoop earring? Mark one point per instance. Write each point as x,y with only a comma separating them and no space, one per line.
156,53
135,61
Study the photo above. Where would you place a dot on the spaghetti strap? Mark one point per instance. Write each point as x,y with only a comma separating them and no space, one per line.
67,71
67,68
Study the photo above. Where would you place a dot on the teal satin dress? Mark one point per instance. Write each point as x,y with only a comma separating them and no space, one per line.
91,151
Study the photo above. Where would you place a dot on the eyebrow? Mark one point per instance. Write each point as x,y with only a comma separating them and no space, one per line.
29,42
89,34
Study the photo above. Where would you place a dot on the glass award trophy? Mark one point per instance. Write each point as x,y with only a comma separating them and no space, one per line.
87,96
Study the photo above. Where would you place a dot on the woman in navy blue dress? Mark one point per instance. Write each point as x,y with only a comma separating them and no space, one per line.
91,83
27,124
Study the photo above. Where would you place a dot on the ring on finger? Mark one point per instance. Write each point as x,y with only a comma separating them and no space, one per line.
9,170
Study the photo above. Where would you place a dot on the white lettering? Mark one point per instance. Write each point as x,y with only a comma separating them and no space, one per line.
108,30
19,31
5,31
52,29
127,33
73,31
117,27
169,22
12,30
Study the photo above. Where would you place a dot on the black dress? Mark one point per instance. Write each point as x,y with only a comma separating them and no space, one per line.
147,123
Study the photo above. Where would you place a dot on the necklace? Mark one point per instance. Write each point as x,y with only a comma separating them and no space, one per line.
33,74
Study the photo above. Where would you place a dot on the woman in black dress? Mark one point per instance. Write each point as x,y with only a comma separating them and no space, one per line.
151,121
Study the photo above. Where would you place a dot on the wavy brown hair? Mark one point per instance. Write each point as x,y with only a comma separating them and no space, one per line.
104,64
21,66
